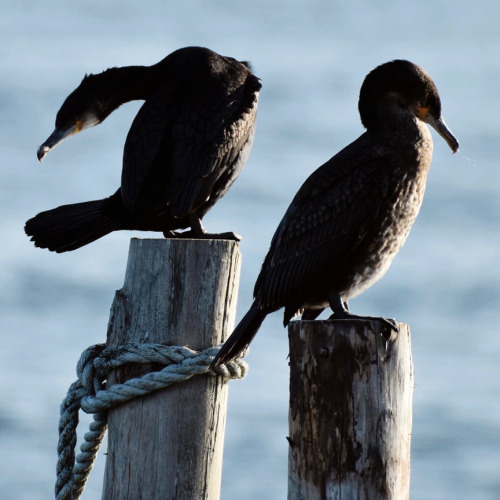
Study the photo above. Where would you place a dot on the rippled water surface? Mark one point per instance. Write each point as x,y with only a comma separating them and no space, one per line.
311,57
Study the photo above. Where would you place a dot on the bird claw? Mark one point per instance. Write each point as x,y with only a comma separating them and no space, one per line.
202,235
172,234
388,324
223,236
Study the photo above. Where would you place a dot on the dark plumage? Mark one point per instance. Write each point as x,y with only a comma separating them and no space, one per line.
350,217
187,144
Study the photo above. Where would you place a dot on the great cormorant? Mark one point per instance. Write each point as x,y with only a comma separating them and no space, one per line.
186,146
352,215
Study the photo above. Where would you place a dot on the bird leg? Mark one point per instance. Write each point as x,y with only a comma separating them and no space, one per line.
199,232
311,314
341,311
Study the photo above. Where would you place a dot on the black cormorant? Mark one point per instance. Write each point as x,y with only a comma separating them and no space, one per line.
351,216
186,146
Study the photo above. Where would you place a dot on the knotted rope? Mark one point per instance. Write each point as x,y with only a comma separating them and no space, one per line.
89,394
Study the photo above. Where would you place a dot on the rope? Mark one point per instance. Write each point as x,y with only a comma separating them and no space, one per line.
89,394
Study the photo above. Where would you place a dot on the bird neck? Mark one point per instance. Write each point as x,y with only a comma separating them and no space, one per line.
401,127
406,137
129,83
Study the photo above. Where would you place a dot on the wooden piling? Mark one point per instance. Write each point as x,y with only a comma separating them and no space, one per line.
350,411
169,444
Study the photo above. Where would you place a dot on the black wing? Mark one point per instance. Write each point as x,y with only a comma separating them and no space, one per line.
326,221
182,142
208,142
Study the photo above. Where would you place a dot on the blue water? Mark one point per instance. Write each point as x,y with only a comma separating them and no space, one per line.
312,57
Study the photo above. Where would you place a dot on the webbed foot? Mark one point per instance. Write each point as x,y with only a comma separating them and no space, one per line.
389,323
172,234
198,231
221,236
341,311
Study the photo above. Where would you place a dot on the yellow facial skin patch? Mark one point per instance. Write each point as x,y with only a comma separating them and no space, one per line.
78,126
422,112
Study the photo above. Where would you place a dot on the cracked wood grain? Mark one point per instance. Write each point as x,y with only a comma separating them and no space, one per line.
350,411
168,445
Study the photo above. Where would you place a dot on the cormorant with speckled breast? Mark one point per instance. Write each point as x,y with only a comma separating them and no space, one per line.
351,216
187,144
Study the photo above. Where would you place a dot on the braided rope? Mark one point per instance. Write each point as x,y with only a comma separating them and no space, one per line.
89,394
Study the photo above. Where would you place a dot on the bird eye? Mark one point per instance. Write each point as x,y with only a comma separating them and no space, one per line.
422,111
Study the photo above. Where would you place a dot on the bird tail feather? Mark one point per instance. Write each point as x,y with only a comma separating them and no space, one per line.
70,227
242,336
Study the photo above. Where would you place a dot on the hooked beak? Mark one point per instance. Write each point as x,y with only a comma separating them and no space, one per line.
55,138
439,125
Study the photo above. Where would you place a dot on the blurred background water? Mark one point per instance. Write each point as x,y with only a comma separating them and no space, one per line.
312,58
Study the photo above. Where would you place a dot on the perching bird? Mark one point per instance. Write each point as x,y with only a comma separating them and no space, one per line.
187,144
351,216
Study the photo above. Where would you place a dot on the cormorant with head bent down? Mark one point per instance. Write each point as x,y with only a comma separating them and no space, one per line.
187,144
351,216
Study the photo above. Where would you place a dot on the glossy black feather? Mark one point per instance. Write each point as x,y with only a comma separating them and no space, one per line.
72,226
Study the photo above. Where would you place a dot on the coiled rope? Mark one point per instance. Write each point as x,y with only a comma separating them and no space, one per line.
89,394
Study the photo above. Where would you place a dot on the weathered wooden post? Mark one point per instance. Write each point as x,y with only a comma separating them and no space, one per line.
350,411
169,444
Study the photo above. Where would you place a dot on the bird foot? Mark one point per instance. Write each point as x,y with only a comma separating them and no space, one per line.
389,324
196,235
222,236
172,234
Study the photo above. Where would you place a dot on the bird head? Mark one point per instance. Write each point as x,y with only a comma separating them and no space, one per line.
85,107
403,85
